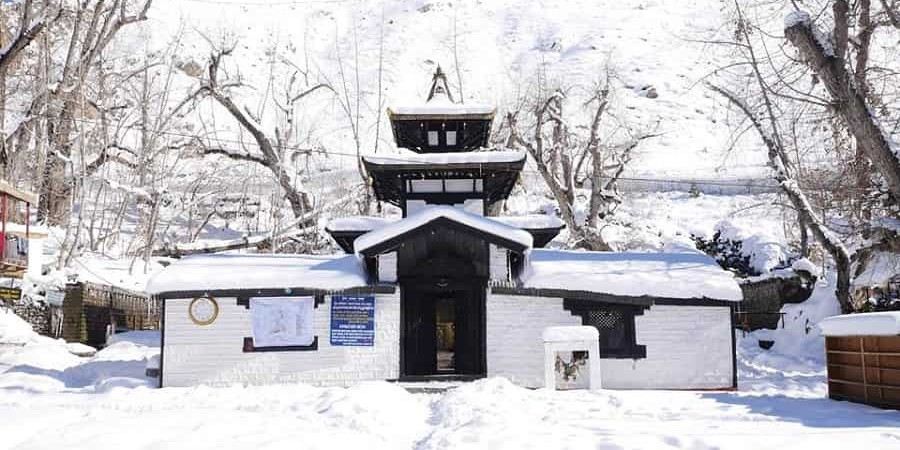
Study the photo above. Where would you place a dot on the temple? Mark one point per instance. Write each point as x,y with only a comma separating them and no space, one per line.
449,290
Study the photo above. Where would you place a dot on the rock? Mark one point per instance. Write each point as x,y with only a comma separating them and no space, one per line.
79,349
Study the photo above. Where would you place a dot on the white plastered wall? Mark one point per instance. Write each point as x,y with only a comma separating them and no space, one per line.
688,347
213,354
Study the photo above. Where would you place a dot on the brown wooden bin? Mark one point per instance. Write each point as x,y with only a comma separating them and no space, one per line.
864,369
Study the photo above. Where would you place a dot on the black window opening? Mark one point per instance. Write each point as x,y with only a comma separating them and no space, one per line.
614,323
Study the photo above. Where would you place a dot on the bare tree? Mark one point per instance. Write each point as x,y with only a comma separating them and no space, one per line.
848,93
793,120
559,151
58,106
779,161
14,39
272,149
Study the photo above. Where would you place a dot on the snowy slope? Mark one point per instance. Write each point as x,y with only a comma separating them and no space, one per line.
501,45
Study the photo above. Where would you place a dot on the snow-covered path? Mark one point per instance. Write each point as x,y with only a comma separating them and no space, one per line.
118,412
487,414
52,399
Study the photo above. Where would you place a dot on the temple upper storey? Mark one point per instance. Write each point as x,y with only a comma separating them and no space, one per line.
441,125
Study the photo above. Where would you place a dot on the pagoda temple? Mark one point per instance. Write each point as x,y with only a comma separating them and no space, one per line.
451,166
446,290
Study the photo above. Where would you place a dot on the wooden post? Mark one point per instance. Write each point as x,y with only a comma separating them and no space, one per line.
862,361
3,232
27,220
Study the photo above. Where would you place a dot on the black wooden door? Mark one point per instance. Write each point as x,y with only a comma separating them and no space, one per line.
470,331
419,352
419,337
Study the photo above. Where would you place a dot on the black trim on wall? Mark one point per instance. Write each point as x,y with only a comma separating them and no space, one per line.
244,300
287,292
734,373
162,342
608,298
250,348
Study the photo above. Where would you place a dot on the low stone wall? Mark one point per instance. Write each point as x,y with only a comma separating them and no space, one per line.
38,314
763,300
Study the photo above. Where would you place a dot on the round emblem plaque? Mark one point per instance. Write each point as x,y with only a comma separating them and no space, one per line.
203,310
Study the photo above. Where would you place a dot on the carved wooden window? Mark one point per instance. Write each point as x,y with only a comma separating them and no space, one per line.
615,324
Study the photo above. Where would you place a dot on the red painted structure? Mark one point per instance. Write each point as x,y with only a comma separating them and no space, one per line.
14,242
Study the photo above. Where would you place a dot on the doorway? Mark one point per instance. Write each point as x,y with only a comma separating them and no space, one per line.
443,330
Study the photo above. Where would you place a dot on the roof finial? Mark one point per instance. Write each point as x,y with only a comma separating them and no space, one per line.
439,85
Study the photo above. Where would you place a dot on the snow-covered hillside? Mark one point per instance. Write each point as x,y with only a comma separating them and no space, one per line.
499,47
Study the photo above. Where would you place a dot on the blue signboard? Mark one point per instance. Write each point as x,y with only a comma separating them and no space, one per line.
352,321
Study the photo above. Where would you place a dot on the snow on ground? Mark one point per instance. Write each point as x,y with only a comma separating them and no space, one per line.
52,399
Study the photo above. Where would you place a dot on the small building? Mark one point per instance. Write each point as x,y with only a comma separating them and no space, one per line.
863,357
448,291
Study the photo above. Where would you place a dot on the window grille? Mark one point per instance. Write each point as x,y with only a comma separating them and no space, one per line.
615,325
605,319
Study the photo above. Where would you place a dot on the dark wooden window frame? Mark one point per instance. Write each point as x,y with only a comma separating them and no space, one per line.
632,350
248,346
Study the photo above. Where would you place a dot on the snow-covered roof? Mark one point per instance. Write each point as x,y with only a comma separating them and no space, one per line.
440,103
532,221
369,223
21,194
866,324
36,231
229,271
359,223
506,156
664,275
432,213
441,109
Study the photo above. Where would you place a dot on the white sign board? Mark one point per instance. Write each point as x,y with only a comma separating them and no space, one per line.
282,321
56,298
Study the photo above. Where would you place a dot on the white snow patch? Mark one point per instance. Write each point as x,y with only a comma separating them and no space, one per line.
367,223
805,265
358,223
531,221
227,271
504,156
765,248
880,269
442,109
797,17
885,323
668,275
147,338
431,213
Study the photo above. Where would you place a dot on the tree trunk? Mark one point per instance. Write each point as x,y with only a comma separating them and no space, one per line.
850,103
799,201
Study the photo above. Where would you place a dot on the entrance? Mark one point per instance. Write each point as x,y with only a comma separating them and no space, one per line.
443,330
